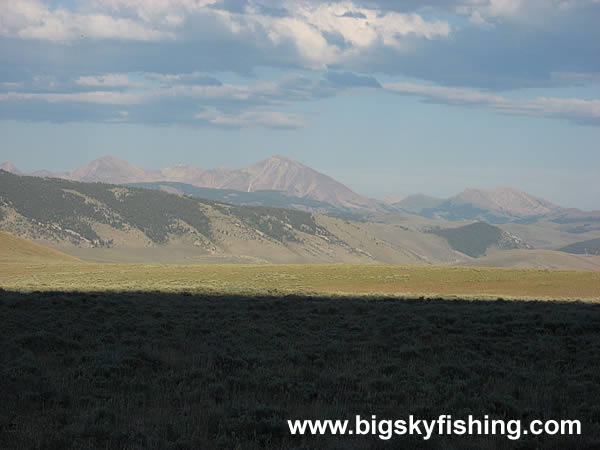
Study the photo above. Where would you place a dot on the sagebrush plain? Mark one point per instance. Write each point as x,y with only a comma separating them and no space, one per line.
167,356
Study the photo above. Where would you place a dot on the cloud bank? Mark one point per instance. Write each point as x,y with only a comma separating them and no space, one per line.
170,61
577,110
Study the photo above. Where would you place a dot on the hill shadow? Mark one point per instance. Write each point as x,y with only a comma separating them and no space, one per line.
155,370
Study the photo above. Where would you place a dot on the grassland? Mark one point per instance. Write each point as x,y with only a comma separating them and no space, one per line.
410,281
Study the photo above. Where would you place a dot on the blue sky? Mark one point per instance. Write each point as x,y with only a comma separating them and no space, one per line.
388,97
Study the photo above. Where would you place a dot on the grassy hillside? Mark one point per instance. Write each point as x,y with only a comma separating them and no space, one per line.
590,247
542,259
14,249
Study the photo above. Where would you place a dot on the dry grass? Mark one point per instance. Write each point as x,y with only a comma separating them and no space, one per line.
15,249
407,281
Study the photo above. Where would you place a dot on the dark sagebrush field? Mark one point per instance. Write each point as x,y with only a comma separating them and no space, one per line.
157,370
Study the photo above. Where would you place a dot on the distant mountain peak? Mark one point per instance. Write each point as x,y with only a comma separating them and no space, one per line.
281,158
110,160
10,167
278,160
507,200
284,174
109,169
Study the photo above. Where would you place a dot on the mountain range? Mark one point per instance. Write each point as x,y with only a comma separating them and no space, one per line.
283,182
497,205
121,223
276,173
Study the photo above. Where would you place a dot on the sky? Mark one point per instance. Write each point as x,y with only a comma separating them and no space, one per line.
389,97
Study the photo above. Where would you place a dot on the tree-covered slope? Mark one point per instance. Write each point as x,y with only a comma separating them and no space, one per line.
474,239
71,207
589,247
102,215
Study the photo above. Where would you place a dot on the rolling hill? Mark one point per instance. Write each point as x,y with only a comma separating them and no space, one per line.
14,249
107,222
589,247
538,259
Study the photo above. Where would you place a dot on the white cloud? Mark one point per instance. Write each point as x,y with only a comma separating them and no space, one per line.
575,109
308,27
108,80
363,27
480,11
32,19
575,78
255,118
288,88
249,104
169,78
122,116
11,84
171,13
98,97
313,48
222,105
